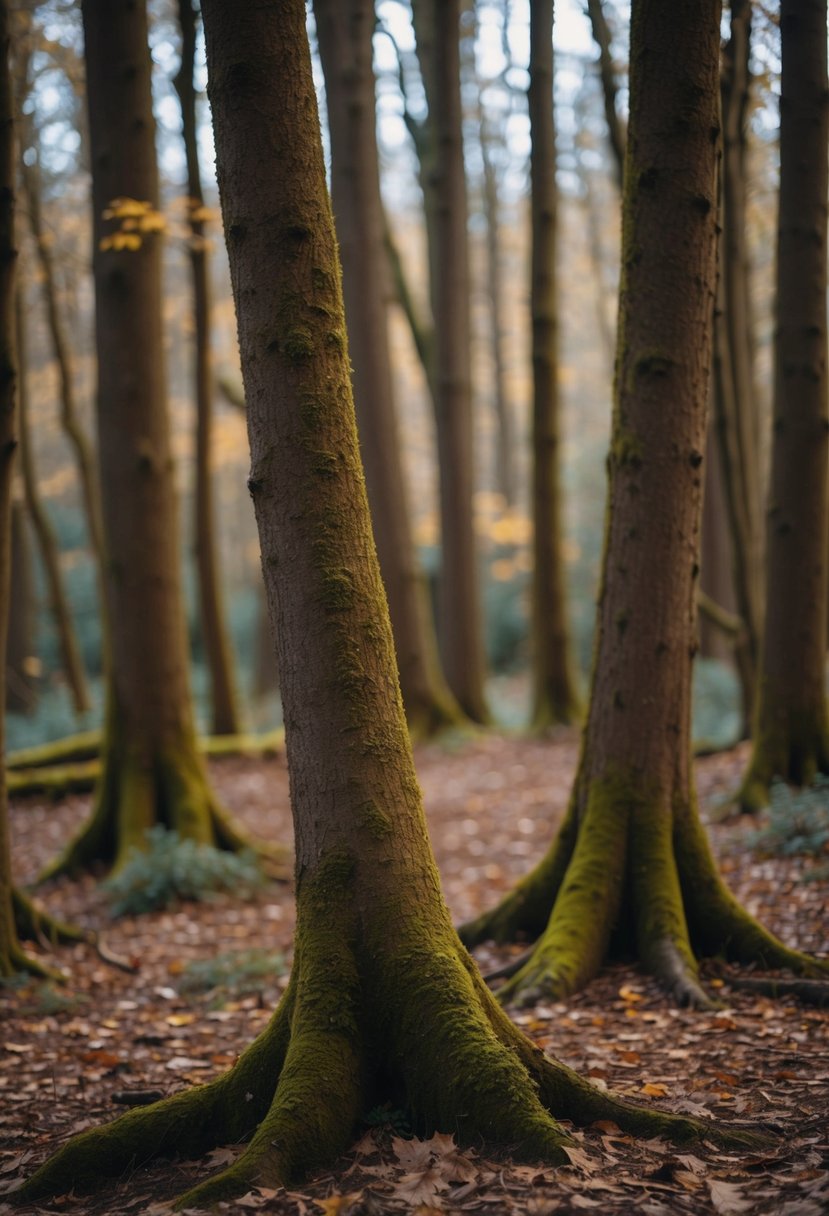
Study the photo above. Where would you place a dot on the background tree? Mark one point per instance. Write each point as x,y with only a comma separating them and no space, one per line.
224,711
44,532
791,733
151,770
21,692
344,35
437,25
382,998
554,692
631,866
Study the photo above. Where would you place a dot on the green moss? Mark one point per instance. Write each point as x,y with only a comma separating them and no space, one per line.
298,345
626,448
338,592
375,820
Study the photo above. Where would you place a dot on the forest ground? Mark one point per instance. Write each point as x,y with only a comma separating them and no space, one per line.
493,802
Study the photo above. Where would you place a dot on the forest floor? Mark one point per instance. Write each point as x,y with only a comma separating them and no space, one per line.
493,803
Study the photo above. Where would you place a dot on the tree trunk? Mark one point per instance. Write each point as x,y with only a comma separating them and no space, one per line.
504,428
383,1001
735,395
791,735
616,132
225,716
73,667
344,35
21,696
716,561
554,691
151,769
631,868
437,23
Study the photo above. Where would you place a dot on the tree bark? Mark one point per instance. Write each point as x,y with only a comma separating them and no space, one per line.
344,35
73,667
151,769
382,999
437,25
223,699
21,694
555,698
631,868
791,735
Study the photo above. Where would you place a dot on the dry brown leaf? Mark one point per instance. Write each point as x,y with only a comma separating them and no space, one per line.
654,1089
337,1205
420,1188
727,1197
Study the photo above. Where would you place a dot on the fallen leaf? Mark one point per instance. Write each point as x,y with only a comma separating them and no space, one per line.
727,1197
654,1089
420,1188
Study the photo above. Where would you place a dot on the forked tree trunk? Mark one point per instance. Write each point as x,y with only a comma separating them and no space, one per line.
460,630
631,867
384,1002
554,691
70,653
151,770
344,35
791,733
223,700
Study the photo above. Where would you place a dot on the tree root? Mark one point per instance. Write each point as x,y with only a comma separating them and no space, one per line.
809,992
76,778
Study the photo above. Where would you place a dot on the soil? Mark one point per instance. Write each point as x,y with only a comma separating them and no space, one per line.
69,1052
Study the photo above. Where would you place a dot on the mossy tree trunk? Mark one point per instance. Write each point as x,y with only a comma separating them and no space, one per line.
223,699
151,770
791,733
344,34
72,662
631,868
554,690
383,1002
736,411
460,630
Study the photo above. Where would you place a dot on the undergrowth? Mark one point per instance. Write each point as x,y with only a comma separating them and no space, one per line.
798,824
171,869
238,973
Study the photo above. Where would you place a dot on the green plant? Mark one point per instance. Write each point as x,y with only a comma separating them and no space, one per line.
236,973
171,869
798,823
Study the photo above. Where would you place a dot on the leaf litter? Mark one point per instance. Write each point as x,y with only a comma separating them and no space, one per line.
69,1053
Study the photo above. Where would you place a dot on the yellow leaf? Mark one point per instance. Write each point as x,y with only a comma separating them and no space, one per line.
654,1089
124,208
180,1019
630,994
336,1204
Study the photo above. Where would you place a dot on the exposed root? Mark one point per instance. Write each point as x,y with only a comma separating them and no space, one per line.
76,778
84,746
678,977
810,992
35,924
509,969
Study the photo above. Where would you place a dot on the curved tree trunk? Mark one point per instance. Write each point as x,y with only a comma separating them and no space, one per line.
791,735
437,25
151,769
383,999
344,35
554,691
631,867
73,667
224,712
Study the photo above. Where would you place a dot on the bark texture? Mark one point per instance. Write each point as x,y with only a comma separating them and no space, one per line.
437,25
344,34
554,690
383,1000
791,734
631,868
151,770
217,652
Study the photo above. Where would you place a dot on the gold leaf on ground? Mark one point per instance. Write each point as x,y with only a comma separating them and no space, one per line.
654,1089
337,1205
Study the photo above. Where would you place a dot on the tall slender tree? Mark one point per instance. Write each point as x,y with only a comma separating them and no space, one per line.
554,690
151,769
382,999
437,25
223,699
73,666
791,731
631,867
344,35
